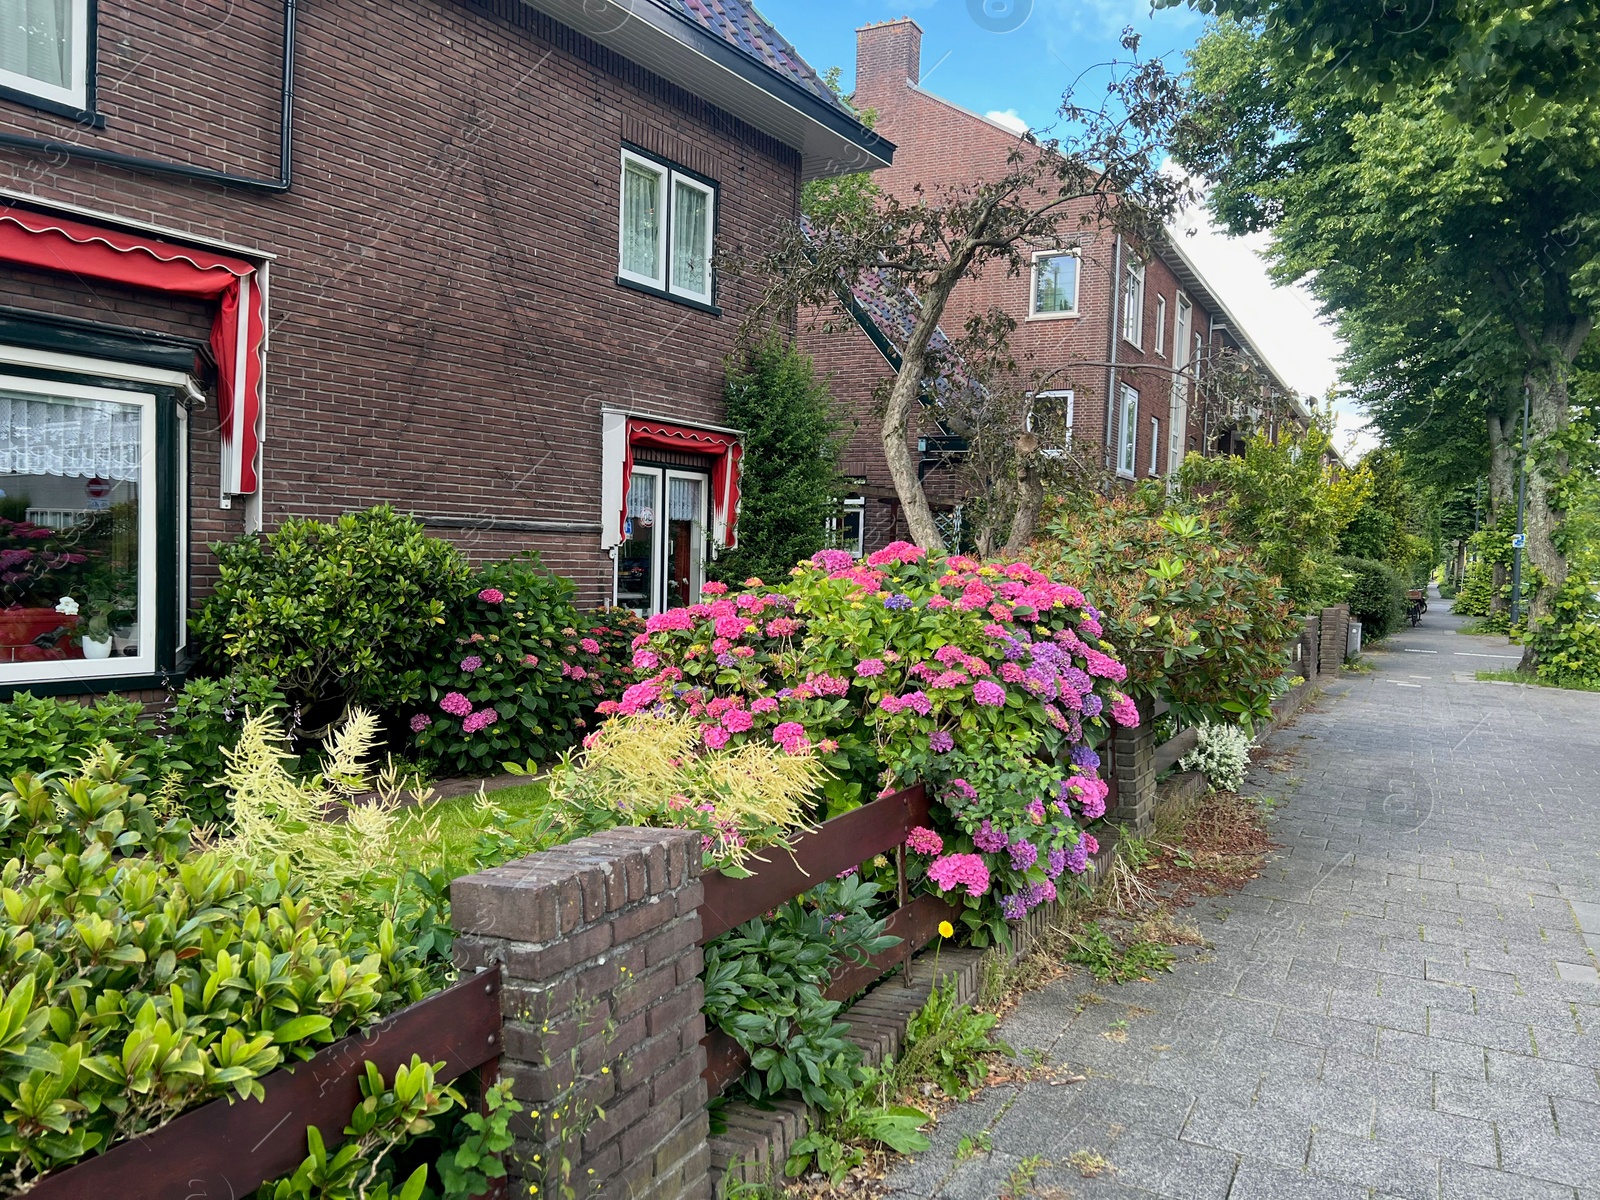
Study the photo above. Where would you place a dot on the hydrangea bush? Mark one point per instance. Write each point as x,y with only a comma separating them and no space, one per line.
990,683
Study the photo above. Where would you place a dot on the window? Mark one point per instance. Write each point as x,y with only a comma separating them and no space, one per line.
665,229
92,562
1155,445
1055,285
1161,325
847,531
1128,432
1050,417
1133,304
44,50
661,560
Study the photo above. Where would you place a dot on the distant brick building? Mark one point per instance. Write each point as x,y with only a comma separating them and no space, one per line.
456,255
1118,329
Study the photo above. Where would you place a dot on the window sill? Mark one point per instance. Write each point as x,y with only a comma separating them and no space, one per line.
663,294
78,116
1129,475
1056,316
1139,346
160,680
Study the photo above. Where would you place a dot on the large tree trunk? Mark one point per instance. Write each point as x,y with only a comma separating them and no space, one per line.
1548,416
1030,494
1502,500
903,398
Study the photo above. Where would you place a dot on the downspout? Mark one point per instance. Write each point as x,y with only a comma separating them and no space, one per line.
1111,345
158,166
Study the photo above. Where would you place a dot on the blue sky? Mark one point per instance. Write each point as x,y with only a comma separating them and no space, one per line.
969,57
966,57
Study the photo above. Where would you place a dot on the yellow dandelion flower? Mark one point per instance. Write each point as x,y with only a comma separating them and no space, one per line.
946,929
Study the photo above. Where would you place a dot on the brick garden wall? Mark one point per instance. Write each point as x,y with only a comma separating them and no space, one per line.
445,322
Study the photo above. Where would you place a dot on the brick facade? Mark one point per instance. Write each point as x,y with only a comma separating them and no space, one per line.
445,323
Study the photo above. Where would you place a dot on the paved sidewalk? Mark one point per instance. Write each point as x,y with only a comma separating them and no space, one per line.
1404,1003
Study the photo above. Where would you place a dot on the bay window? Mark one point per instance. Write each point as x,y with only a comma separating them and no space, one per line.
666,226
45,51
92,564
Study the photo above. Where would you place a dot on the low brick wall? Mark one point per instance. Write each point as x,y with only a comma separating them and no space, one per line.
598,943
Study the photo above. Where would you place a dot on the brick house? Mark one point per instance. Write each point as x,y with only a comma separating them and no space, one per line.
455,255
1117,331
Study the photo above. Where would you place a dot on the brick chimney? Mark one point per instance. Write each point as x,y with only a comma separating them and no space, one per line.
887,55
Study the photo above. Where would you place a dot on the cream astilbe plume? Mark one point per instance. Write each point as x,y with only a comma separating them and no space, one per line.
276,816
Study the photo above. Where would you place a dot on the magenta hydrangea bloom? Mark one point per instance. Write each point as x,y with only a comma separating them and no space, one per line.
989,838
455,704
471,663
491,595
868,667
764,704
736,720
1125,712
940,741
481,719
833,560
1023,854
715,736
990,695
589,645
960,870
420,722
924,841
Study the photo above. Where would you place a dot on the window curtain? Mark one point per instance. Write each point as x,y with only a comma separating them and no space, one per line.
691,210
683,500
641,495
36,39
641,221
77,439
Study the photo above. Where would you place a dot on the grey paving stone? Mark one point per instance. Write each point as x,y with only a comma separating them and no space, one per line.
1399,1171
1262,1132
1255,1180
1430,1053
1462,1181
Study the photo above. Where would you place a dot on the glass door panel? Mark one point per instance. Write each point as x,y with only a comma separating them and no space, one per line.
636,556
685,539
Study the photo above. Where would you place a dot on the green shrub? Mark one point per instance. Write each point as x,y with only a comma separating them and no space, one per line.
204,722
1377,596
43,733
139,981
351,611
1567,642
789,476
1198,621
521,672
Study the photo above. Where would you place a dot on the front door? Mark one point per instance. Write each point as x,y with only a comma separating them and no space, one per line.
661,561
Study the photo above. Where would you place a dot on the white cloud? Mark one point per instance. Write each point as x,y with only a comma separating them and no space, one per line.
1283,322
1007,118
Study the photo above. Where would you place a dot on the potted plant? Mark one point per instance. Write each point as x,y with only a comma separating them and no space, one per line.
108,606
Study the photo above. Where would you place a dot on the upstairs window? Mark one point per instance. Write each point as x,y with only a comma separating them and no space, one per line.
1128,433
666,225
1055,285
44,50
1161,326
1133,305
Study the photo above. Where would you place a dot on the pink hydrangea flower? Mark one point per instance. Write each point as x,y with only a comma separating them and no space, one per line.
420,722
471,663
891,704
833,560
455,704
989,838
646,660
714,736
714,589
869,667
895,552
589,645
481,719
491,595
530,660
924,841
1124,711
731,627
737,720
764,704
1104,665
673,618
639,696
990,695
960,870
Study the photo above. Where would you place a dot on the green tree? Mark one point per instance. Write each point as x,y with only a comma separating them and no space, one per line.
789,483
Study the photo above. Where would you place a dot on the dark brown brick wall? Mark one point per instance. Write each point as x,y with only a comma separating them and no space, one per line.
445,322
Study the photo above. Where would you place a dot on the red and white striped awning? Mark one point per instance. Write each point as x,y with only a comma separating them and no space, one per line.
238,334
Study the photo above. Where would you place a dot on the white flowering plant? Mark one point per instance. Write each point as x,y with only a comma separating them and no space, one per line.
1223,753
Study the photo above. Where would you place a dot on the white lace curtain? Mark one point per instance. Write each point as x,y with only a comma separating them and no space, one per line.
683,500
36,39
73,438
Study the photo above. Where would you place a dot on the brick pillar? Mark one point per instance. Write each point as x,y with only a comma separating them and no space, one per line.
598,944
1133,751
1335,637
1310,646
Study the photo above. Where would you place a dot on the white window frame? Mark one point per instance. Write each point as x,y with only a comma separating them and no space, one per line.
1155,445
1069,396
664,175
145,662
1133,305
1128,434
658,549
1161,326
671,178
1040,256
678,178
76,95
834,526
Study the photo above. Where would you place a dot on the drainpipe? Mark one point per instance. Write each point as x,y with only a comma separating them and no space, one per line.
158,166
1111,345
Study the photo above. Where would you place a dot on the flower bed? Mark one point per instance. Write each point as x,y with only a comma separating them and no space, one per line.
991,683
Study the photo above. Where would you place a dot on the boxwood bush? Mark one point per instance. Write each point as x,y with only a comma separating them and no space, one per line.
1377,596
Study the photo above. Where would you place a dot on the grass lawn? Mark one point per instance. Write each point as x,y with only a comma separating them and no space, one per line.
448,831
1534,681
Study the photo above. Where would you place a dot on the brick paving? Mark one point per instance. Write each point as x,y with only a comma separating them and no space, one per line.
1404,1003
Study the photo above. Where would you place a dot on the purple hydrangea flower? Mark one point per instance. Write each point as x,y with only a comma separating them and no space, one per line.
940,741
1092,704
898,600
471,663
1023,854
1013,908
1056,862
1083,756
991,695
990,839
